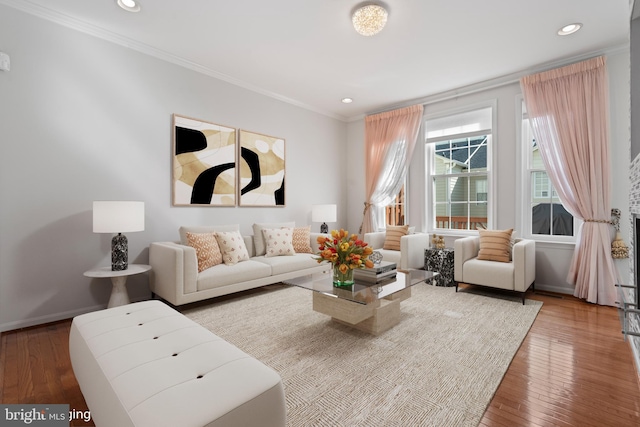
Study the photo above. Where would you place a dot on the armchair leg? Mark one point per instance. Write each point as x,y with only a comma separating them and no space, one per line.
456,286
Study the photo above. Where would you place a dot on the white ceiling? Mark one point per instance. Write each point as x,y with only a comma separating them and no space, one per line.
307,53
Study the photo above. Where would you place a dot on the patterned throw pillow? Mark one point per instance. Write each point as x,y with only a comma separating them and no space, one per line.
495,245
393,235
207,249
232,246
278,241
302,240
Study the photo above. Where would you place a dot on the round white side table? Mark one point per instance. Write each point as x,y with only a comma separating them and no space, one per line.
119,294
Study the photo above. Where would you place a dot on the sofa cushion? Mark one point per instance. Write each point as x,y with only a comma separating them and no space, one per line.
223,274
495,245
207,249
204,229
302,240
393,235
258,238
278,241
232,246
490,273
281,265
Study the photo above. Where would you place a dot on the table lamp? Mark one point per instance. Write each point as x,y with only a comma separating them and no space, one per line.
118,217
324,214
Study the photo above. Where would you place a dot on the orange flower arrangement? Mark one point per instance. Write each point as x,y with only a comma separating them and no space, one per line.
346,253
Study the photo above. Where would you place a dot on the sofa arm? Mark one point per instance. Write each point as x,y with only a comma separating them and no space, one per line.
465,248
174,270
375,239
412,248
524,260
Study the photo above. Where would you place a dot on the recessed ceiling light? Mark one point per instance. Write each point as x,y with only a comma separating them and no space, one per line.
129,5
347,100
569,29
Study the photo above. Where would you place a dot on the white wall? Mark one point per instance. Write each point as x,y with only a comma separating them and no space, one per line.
553,260
82,119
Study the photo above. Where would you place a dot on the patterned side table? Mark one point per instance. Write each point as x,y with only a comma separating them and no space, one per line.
440,261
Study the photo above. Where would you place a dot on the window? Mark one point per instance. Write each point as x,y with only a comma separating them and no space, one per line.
457,150
394,212
544,214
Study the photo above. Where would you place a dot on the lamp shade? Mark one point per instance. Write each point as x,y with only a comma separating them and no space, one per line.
324,213
118,217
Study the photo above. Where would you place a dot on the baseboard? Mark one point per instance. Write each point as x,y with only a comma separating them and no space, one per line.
568,289
25,323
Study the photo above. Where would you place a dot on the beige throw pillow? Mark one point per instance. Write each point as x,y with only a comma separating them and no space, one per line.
393,235
495,245
207,249
302,240
232,246
278,241
258,237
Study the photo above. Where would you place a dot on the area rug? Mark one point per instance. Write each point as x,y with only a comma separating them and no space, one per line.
439,367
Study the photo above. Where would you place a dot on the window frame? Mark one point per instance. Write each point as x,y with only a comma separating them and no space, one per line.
525,184
429,156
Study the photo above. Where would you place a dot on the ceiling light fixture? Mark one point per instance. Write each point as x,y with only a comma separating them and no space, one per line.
346,100
369,19
129,5
569,29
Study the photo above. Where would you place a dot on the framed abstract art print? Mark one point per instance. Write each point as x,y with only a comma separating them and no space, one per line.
204,163
262,170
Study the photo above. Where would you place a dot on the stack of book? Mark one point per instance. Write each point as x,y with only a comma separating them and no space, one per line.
380,272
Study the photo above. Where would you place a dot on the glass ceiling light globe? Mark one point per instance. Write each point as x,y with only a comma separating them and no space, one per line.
369,19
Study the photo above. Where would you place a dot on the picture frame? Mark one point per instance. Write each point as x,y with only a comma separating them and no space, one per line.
203,163
261,177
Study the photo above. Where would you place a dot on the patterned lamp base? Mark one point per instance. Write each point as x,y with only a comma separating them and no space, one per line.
119,253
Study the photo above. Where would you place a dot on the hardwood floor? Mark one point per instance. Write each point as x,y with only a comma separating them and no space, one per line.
573,369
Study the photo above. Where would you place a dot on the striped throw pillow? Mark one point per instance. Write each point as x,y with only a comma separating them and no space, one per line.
495,245
393,235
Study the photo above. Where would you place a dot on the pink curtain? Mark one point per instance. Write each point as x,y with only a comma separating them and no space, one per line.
390,138
569,112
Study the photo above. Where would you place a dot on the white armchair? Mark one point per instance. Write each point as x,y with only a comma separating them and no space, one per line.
517,275
411,253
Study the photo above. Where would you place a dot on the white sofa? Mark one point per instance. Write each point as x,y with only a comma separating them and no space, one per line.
175,278
146,365
411,253
517,275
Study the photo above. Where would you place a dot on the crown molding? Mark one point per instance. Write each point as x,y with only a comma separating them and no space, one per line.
81,26
500,81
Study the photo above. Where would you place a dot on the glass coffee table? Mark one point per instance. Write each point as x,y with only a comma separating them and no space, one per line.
371,308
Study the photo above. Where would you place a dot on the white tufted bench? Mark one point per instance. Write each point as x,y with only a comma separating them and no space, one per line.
145,364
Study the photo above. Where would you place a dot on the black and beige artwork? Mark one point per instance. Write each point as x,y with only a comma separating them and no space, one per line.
204,163
262,166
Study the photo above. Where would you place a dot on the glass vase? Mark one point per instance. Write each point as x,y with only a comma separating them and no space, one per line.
342,280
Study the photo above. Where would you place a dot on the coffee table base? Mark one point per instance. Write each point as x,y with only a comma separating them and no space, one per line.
374,318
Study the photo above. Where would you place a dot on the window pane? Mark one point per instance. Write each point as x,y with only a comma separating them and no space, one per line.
478,154
477,216
458,189
440,185
478,188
